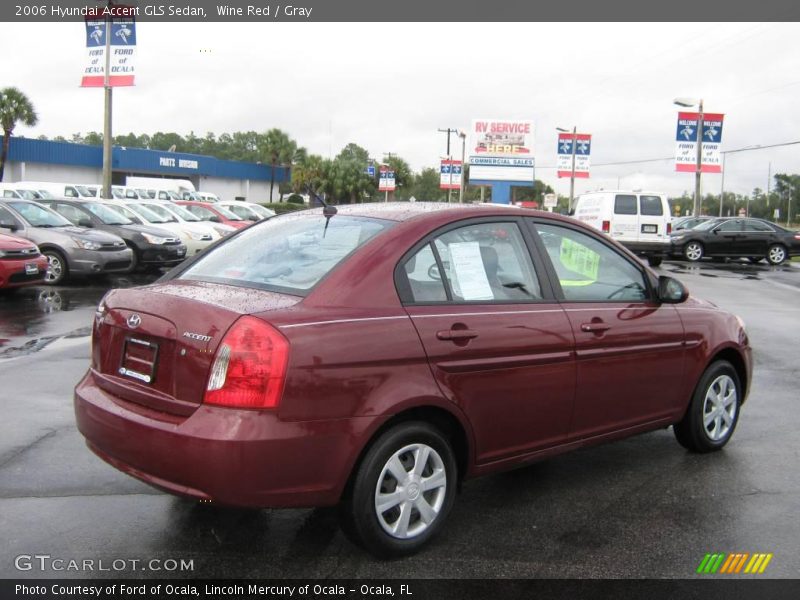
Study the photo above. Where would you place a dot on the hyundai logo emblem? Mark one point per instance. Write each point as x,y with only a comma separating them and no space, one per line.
134,321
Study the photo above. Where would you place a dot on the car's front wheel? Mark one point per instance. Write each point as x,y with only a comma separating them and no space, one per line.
776,254
693,251
57,268
402,491
714,410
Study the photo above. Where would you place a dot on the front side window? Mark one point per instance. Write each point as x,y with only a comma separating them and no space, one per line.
106,214
730,226
625,204
290,254
75,215
589,270
651,206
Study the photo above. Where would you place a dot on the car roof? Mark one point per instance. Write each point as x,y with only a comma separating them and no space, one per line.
404,211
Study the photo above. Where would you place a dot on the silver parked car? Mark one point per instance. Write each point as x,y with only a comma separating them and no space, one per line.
70,250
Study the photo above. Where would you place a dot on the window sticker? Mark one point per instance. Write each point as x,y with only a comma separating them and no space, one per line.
580,259
469,274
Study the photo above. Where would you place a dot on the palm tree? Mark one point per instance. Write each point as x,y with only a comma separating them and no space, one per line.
279,150
14,106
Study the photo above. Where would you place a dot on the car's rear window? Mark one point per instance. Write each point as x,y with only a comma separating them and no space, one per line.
651,206
290,254
624,204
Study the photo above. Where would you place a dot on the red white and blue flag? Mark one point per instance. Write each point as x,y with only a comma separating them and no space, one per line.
583,150
123,52
686,142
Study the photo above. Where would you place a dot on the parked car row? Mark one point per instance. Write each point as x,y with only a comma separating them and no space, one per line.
79,234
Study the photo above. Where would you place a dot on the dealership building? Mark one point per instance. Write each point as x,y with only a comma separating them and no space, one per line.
65,162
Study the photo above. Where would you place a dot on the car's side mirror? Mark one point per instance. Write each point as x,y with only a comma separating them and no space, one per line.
85,223
215,219
671,291
9,226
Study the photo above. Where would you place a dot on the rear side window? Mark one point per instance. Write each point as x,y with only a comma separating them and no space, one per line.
290,254
624,204
651,206
485,262
757,226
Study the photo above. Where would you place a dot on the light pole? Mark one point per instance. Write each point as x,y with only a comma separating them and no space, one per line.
463,136
688,103
572,171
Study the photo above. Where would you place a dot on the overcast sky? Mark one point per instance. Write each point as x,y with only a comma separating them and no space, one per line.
388,87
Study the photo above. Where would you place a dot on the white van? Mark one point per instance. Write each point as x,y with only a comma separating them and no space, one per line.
640,221
63,190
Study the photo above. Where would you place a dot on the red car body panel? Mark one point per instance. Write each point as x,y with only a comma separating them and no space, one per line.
19,257
530,386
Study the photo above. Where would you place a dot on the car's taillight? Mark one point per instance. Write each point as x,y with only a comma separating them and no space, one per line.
606,226
797,236
250,366
669,228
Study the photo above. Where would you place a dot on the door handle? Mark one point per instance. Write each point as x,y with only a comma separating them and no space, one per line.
456,335
595,327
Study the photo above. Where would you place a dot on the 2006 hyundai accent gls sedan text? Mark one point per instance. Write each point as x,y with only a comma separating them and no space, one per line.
376,356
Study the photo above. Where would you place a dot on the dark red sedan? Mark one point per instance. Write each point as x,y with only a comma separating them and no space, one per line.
376,356
21,263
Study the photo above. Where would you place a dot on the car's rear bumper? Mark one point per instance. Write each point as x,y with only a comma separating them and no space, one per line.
226,456
648,248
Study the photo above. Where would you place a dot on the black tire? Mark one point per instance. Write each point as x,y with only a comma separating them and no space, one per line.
57,267
693,251
691,432
360,518
654,261
134,260
776,254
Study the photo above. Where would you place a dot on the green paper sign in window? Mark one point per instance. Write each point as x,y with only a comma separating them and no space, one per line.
580,259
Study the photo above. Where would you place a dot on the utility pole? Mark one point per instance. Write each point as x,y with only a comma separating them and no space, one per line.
699,167
463,136
722,185
769,179
448,131
107,110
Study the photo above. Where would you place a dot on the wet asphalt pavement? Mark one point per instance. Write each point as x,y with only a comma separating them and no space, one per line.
643,507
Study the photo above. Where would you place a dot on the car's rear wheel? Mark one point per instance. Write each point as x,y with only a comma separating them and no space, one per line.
654,261
57,269
402,491
776,254
693,251
712,415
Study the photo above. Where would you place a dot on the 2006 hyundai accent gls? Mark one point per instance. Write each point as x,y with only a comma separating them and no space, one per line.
375,357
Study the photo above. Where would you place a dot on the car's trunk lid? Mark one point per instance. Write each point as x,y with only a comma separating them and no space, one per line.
154,345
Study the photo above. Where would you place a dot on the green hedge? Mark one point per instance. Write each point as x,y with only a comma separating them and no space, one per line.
283,207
